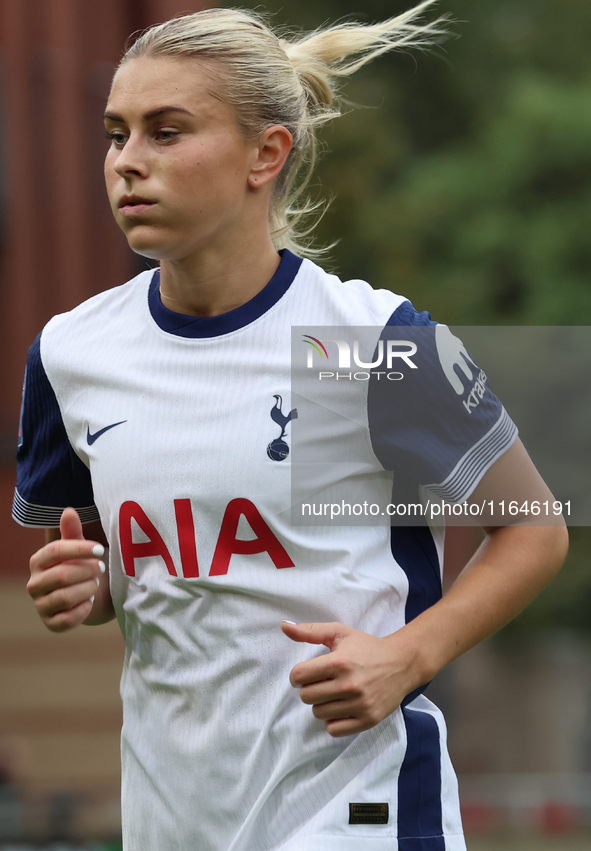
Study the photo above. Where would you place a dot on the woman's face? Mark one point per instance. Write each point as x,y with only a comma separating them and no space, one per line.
178,168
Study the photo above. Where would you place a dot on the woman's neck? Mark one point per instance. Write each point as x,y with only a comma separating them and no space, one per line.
216,282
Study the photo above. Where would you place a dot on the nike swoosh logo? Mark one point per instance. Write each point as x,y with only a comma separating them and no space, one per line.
92,437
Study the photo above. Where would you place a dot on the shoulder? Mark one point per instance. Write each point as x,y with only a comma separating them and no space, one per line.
96,310
353,302
95,320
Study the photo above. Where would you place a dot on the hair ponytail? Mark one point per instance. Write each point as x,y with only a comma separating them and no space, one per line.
292,81
344,48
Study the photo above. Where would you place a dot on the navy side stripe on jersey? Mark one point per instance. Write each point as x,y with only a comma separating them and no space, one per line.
420,822
414,550
442,437
215,326
50,474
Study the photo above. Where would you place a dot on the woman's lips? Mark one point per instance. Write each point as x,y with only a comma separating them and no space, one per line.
134,206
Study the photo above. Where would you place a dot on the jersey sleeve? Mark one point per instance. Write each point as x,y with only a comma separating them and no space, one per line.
50,476
436,418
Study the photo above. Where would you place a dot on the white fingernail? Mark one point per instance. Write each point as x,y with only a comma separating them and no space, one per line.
92,599
102,566
98,581
293,623
98,550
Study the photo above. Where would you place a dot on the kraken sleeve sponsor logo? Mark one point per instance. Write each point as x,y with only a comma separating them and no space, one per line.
278,450
476,394
452,353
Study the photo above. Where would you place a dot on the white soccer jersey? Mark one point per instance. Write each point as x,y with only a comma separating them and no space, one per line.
169,428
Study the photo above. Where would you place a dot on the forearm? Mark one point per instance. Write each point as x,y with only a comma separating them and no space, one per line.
509,569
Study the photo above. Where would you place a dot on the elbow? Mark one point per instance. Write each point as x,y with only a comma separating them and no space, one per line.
550,543
542,548
559,544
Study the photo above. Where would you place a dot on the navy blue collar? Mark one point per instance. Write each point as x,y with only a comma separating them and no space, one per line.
215,326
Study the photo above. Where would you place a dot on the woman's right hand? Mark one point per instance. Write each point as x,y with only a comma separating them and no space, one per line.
69,583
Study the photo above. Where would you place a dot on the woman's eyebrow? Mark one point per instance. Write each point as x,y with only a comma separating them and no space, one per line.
111,116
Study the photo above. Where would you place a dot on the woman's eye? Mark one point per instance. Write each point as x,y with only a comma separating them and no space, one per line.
165,135
117,138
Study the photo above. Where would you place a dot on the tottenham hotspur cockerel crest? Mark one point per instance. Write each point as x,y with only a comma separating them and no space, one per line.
278,450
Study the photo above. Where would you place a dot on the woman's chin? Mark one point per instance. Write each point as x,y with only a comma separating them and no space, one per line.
157,249
146,245
151,252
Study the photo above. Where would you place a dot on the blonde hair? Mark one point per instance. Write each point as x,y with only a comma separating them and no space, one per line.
289,80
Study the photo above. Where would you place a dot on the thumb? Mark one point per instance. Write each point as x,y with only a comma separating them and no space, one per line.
70,525
329,634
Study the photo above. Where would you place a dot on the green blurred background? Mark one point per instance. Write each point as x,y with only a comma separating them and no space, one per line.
463,179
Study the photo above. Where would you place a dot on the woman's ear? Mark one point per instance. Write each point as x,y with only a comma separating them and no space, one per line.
273,147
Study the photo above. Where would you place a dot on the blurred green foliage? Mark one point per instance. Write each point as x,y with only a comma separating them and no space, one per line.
462,179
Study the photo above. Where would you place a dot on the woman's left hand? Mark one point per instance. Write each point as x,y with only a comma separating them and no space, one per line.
359,683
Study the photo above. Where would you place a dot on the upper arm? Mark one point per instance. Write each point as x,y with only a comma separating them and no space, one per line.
50,476
514,478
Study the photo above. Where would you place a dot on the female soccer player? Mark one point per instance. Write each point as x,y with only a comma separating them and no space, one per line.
273,673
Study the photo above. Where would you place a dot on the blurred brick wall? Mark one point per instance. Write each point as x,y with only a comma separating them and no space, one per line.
58,242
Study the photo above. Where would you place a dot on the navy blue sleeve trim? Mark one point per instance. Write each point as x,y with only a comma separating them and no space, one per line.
407,315
50,476
215,326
